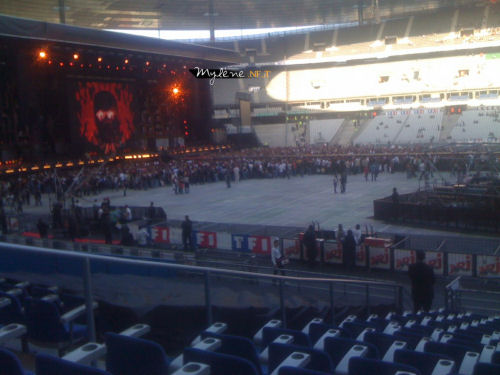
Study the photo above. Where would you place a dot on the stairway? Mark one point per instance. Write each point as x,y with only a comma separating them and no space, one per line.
345,134
449,122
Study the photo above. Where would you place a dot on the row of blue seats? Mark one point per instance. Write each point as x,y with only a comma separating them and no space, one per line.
227,354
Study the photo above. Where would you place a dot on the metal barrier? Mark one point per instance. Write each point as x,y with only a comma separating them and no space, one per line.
33,255
460,298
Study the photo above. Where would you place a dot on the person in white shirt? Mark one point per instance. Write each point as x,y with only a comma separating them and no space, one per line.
127,214
357,234
142,237
277,259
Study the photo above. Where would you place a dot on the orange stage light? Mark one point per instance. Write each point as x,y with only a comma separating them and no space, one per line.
76,56
42,54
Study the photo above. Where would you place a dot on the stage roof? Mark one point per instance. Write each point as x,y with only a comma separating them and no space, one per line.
47,32
228,14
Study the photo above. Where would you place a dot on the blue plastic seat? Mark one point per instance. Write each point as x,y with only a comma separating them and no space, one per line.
220,364
486,369
337,348
424,362
50,365
134,356
355,328
286,370
269,334
319,360
455,352
381,340
411,338
316,330
236,345
45,328
10,364
13,313
368,366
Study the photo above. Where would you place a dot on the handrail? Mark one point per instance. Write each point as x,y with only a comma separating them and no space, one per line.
115,259
440,245
399,242
454,283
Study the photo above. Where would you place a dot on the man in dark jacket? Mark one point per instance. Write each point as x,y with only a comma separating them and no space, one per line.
187,228
349,250
422,283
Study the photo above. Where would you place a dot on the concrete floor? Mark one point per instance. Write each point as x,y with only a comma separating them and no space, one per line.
285,202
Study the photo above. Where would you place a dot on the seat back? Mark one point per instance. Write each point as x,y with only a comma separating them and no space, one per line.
381,340
316,330
286,370
455,352
368,366
424,362
319,360
486,369
12,313
269,334
220,364
49,365
43,321
411,338
134,356
9,363
236,345
337,348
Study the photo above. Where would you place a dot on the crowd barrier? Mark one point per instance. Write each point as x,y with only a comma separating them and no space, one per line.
374,253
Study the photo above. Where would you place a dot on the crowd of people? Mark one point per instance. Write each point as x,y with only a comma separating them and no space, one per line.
182,172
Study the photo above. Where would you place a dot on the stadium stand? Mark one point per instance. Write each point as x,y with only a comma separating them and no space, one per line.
479,125
421,127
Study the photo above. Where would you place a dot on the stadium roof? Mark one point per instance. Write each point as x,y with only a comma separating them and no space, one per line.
227,14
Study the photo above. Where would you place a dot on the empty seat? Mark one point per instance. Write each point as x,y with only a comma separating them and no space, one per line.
270,334
486,369
49,365
368,366
316,330
424,362
10,364
134,356
286,370
337,348
455,352
319,360
47,327
220,364
236,345
380,340
12,313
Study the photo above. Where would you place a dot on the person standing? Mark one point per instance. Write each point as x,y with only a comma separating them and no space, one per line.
228,177
349,250
277,259
43,228
422,283
187,230
335,183
143,236
357,234
395,204
343,182
309,241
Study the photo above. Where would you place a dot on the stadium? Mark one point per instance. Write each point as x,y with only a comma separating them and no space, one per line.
237,187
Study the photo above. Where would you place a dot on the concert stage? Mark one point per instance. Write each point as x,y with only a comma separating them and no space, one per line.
474,207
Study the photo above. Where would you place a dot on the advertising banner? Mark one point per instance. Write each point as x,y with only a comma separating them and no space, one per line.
403,258
488,266
459,264
333,252
291,248
161,235
380,257
205,240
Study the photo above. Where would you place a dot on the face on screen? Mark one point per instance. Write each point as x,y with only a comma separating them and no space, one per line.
106,117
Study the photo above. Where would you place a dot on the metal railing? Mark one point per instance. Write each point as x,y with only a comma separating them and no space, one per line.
209,274
461,296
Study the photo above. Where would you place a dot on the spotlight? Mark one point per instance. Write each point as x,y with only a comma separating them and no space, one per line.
99,59
75,56
147,63
175,91
126,61
61,64
42,54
